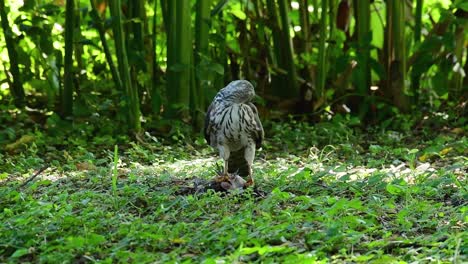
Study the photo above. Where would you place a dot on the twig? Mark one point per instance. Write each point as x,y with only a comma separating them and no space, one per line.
34,176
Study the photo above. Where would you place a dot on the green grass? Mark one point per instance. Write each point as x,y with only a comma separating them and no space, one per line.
333,194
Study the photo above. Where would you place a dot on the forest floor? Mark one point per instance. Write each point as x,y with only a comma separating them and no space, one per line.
324,193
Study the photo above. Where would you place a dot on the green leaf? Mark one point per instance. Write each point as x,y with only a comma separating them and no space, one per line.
210,261
95,239
20,252
264,250
76,242
413,151
239,14
394,189
218,68
219,7
364,258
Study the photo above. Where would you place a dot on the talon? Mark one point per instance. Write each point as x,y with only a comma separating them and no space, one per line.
250,182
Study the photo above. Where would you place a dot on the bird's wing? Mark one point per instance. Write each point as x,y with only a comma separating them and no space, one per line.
258,133
208,123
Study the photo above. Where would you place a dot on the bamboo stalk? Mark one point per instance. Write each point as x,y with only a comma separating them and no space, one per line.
179,56
456,82
165,13
316,9
184,49
415,76
221,56
332,18
465,68
67,95
137,47
155,93
418,21
275,28
245,45
305,24
78,49
278,79
132,100
288,48
16,87
137,26
322,64
203,81
265,54
102,35
171,29
396,73
399,35
283,50
363,53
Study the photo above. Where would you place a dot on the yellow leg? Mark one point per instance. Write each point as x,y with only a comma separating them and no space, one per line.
225,167
250,180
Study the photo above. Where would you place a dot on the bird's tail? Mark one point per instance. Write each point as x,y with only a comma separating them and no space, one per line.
238,164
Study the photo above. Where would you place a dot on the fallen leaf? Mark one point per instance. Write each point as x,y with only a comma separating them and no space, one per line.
178,241
85,166
424,157
445,151
458,130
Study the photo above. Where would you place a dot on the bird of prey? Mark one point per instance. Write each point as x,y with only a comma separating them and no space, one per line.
232,126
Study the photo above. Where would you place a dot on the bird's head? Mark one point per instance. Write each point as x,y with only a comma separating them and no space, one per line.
239,91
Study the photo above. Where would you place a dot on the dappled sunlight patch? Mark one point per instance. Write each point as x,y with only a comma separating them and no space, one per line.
401,171
194,165
316,202
294,165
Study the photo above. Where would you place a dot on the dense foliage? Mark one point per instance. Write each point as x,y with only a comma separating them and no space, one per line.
143,61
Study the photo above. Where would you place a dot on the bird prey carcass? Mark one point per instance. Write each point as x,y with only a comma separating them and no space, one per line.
232,126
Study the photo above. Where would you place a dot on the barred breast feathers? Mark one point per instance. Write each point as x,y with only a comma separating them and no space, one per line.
232,114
